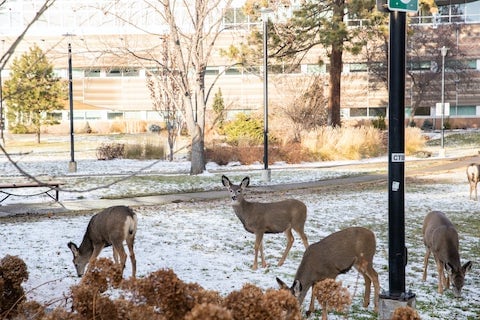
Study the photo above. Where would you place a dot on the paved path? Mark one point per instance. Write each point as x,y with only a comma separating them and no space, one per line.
419,167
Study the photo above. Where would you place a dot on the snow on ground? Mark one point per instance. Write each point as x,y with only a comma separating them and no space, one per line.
204,242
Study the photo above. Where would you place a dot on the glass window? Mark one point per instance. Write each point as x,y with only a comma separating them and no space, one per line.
92,73
114,73
131,73
115,115
358,112
358,67
463,110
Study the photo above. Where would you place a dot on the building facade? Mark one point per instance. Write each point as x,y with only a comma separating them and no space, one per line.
108,85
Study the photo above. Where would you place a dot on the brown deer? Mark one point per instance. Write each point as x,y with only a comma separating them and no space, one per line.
272,217
110,227
334,255
441,239
473,176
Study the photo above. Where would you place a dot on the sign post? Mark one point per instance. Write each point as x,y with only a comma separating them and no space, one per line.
397,295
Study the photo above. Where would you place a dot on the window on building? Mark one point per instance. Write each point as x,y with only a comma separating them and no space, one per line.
358,112
463,110
92,73
114,73
131,73
358,67
115,115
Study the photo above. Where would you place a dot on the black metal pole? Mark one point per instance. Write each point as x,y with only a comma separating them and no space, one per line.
396,156
70,98
265,94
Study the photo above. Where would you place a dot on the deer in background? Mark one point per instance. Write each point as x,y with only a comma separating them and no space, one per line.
109,227
334,255
473,175
271,217
441,239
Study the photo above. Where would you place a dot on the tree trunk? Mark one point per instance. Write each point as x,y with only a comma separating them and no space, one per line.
198,156
336,67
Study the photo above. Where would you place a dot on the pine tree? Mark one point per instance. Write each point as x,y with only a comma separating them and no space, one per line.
32,92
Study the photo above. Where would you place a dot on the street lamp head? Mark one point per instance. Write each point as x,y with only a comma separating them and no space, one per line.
266,13
444,51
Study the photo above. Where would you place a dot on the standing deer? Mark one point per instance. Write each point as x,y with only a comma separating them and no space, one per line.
334,255
473,176
272,217
109,227
441,238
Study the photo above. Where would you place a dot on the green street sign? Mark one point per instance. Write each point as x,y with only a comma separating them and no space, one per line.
403,5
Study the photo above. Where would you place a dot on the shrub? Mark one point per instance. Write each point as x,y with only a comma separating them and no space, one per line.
293,153
109,151
13,272
245,130
154,128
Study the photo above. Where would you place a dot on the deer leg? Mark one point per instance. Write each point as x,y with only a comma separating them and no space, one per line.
372,277
303,236
425,264
290,239
95,253
441,275
132,256
311,307
121,253
258,246
115,255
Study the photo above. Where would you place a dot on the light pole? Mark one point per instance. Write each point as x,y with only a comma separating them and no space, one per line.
265,16
443,51
72,165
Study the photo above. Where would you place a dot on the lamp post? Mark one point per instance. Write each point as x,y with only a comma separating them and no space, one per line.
72,165
265,16
443,51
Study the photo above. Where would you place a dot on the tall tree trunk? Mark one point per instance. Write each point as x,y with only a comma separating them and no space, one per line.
198,155
336,66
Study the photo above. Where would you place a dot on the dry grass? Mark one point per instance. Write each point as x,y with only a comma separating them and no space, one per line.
414,140
345,143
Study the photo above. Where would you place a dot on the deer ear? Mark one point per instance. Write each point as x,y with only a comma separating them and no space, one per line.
296,288
72,246
282,284
225,181
245,182
449,268
467,266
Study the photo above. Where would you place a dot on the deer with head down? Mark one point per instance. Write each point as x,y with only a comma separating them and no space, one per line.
473,176
441,238
110,227
270,217
334,255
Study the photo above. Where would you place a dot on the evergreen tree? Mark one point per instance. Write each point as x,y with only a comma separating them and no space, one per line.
32,92
219,108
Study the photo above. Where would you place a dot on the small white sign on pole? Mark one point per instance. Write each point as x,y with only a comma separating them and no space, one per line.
438,109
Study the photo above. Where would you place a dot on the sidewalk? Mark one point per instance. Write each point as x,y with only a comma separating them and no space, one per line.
51,207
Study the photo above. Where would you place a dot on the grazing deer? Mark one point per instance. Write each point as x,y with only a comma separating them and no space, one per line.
272,217
109,227
441,239
334,255
473,175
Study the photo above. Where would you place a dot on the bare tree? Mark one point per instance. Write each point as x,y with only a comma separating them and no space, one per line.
305,104
193,28
165,94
